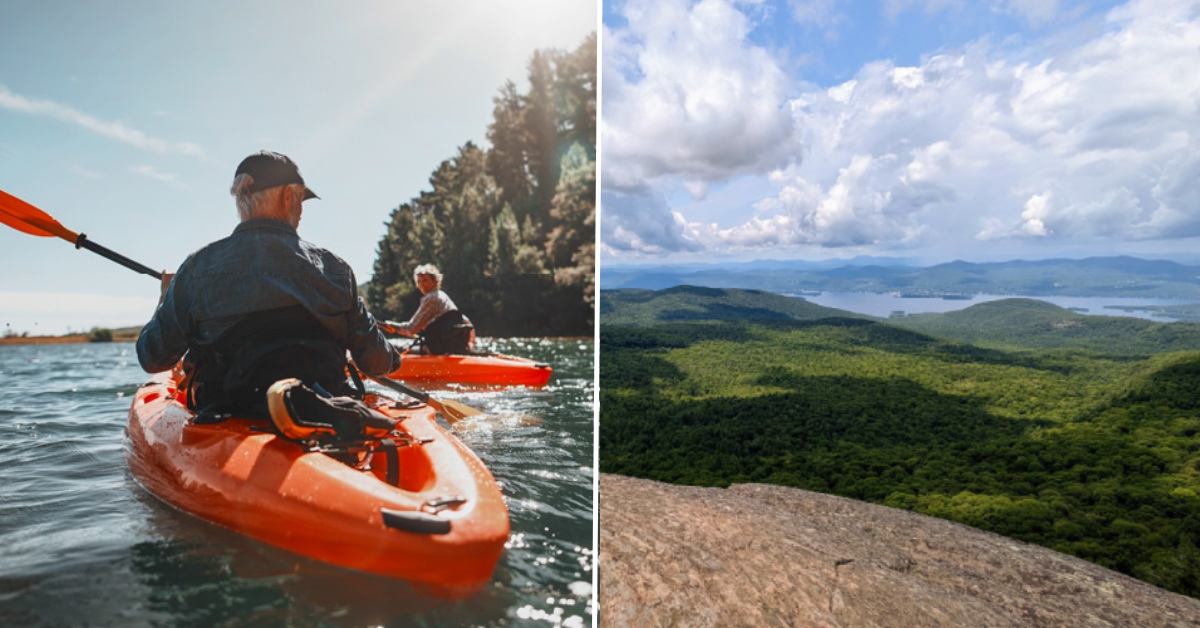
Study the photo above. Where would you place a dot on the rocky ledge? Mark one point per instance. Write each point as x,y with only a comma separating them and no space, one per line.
764,555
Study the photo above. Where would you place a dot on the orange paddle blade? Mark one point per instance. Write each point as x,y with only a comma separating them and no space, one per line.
26,218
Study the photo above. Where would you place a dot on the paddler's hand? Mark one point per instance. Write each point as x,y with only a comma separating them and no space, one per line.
391,327
166,283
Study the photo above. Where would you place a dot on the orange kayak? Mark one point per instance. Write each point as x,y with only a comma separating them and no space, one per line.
493,369
443,521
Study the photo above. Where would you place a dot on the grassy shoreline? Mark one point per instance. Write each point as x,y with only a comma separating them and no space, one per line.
122,334
44,340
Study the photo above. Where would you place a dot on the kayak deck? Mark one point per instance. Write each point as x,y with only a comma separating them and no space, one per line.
492,369
444,522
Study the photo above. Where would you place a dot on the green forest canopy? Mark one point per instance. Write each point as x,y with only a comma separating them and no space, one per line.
1093,453
512,227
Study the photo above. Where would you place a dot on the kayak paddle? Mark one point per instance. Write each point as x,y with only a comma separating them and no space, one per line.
26,218
453,411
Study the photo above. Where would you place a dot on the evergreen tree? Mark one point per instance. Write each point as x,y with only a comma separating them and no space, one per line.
503,245
511,227
508,162
577,76
541,131
571,242
388,264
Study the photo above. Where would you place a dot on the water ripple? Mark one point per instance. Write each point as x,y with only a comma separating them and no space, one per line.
84,544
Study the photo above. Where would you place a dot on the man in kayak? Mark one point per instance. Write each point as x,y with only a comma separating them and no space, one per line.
263,305
442,328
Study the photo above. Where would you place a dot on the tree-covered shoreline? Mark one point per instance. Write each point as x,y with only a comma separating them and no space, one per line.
510,226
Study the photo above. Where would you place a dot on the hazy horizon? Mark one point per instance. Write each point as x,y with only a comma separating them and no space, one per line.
1185,260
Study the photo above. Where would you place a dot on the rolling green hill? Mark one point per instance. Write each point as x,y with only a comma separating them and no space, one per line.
1086,452
692,303
1032,323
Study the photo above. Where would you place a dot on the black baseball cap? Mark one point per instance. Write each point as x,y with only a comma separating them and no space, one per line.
269,170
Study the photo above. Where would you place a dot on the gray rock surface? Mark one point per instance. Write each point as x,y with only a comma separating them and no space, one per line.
764,555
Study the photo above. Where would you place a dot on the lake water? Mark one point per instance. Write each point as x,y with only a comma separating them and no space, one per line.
883,304
84,544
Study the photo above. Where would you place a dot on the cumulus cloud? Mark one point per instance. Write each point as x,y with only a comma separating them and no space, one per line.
686,93
1097,142
866,203
107,128
639,221
1176,196
1033,219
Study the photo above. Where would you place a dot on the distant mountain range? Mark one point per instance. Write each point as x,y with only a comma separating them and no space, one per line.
1093,276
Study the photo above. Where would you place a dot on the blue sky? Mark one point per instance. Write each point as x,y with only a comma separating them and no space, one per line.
127,125
928,129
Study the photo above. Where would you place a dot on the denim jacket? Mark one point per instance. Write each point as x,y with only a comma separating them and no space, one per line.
263,265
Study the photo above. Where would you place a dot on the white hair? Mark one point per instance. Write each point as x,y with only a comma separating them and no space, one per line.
250,204
428,269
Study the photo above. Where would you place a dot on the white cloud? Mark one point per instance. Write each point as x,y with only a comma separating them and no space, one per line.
993,229
158,175
819,14
1176,195
869,202
1036,12
638,221
698,189
1033,219
1098,142
1091,139
685,93
107,128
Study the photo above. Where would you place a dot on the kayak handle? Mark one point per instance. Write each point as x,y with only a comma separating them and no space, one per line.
416,522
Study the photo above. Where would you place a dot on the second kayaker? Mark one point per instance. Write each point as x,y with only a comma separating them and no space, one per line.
262,304
437,322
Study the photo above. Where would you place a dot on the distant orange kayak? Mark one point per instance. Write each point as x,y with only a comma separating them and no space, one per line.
442,522
494,369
